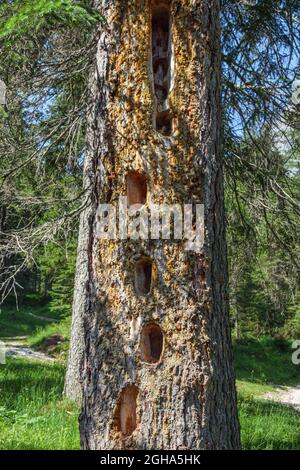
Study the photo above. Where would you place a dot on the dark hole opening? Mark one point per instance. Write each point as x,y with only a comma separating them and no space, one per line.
151,345
161,50
164,123
161,19
143,276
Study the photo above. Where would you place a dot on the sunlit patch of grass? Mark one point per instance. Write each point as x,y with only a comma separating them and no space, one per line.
41,334
268,426
20,323
261,365
252,389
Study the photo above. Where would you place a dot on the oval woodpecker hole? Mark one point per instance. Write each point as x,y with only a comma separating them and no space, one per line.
143,276
161,49
151,343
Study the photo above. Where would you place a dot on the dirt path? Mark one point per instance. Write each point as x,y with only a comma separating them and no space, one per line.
15,347
286,395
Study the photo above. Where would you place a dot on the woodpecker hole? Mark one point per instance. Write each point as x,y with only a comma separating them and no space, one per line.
151,343
136,188
161,63
164,123
143,276
126,410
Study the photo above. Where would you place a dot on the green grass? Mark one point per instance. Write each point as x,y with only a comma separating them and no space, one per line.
32,413
34,416
37,339
249,390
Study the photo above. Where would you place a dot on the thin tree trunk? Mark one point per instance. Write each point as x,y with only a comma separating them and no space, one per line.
157,370
84,264
236,320
72,388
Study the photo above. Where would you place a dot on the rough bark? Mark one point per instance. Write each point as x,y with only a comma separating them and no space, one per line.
186,399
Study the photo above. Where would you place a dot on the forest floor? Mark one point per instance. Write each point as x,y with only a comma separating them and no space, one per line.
34,415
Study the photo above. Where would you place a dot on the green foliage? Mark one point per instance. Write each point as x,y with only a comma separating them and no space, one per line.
47,287
263,238
23,16
291,329
57,268
45,58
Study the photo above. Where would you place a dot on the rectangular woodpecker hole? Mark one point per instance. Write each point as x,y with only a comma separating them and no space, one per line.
161,63
161,51
164,123
136,188
151,343
143,276
126,410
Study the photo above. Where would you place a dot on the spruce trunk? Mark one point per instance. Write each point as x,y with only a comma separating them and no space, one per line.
157,369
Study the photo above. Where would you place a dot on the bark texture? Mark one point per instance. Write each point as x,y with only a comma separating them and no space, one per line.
157,370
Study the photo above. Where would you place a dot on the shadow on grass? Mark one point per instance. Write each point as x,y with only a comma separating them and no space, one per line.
266,361
25,321
23,380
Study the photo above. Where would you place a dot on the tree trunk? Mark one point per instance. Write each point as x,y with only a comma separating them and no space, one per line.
84,265
72,388
236,321
157,370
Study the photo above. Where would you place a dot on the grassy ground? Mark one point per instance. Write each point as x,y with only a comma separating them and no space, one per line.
37,339
32,412
34,416
268,426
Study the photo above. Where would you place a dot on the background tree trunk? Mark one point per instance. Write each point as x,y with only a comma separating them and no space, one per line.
157,368
84,264
236,320
72,388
